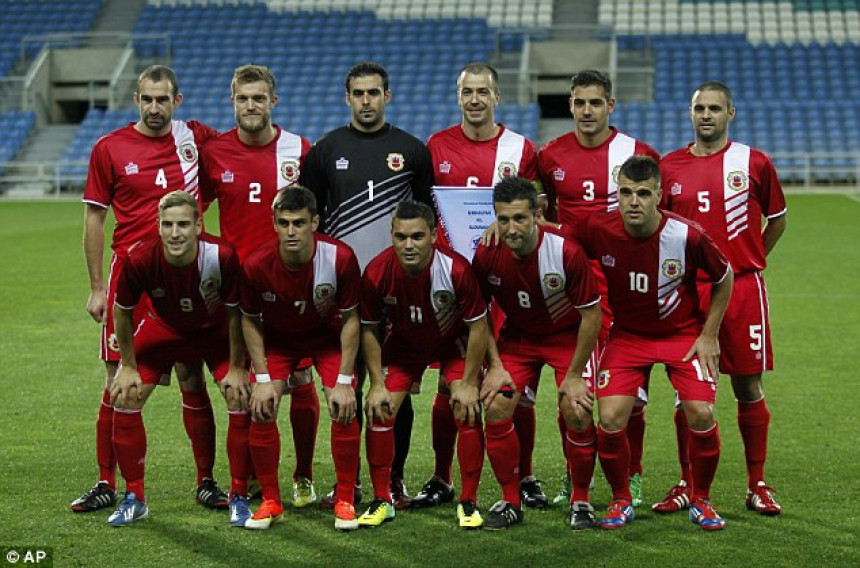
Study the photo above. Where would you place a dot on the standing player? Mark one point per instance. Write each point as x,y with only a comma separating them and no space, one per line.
545,287
436,313
579,172
244,169
728,187
650,259
300,300
358,174
130,170
192,282
478,152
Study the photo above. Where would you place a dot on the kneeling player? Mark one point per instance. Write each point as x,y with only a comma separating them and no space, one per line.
189,278
300,300
433,303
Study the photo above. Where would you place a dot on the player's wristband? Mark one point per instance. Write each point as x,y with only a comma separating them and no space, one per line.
263,378
344,379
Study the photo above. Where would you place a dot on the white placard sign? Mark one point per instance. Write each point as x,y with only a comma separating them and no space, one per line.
464,215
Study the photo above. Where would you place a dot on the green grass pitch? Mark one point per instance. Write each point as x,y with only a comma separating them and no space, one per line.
50,382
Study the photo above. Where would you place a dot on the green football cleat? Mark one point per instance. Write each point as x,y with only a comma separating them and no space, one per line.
380,511
636,489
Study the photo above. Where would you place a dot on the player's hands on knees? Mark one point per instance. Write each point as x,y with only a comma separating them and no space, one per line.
707,350
496,379
466,404
576,391
97,305
126,387
491,235
264,402
378,406
236,389
341,404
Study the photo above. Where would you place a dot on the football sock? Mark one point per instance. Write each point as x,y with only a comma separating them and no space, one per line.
402,435
614,452
503,449
304,421
129,438
265,441
200,427
345,450
581,451
444,429
682,433
636,438
704,458
754,421
239,451
470,455
380,453
524,422
104,441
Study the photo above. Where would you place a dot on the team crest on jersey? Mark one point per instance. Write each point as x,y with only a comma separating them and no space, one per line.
188,152
389,301
603,379
615,171
158,293
113,344
443,300
507,169
395,161
558,174
672,268
290,170
209,289
131,169
324,297
494,280
676,189
608,260
737,180
227,177
269,297
553,282
341,164
445,167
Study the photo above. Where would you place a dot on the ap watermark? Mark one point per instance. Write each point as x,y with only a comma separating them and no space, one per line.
27,555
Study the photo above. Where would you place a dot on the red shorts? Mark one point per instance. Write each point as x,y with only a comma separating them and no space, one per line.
524,357
745,344
405,365
108,346
628,359
285,355
158,347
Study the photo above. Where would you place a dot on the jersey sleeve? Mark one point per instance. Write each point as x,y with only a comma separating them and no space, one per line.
544,165
249,297
423,180
129,285
349,282
202,132
770,196
207,185
469,295
230,277
529,163
370,302
100,178
312,176
581,285
480,271
707,256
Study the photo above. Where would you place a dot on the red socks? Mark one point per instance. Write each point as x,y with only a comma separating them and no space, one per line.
200,427
682,432
581,451
345,449
614,452
524,422
636,437
380,454
265,442
754,421
444,429
304,420
129,439
104,441
470,455
239,452
704,458
503,449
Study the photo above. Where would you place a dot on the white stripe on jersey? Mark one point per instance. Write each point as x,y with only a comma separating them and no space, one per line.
510,149
287,149
325,277
552,277
673,247
182,138
621,148
736,161
441,281
209,265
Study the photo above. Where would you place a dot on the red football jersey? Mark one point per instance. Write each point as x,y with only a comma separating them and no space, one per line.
304,302
652,281
188,298
426,310
540,294
727,193
131,172
244,179
583,181
459,161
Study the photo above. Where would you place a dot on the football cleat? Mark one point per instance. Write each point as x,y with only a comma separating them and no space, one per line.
269,513
503,515
761,500
678,498
211,496
344,516
620,513
380,511
435,492
99,497
239,511
703,514
468,515
532,493
564,491
327,503
636,489
304,493
581,516
399,496
130,509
